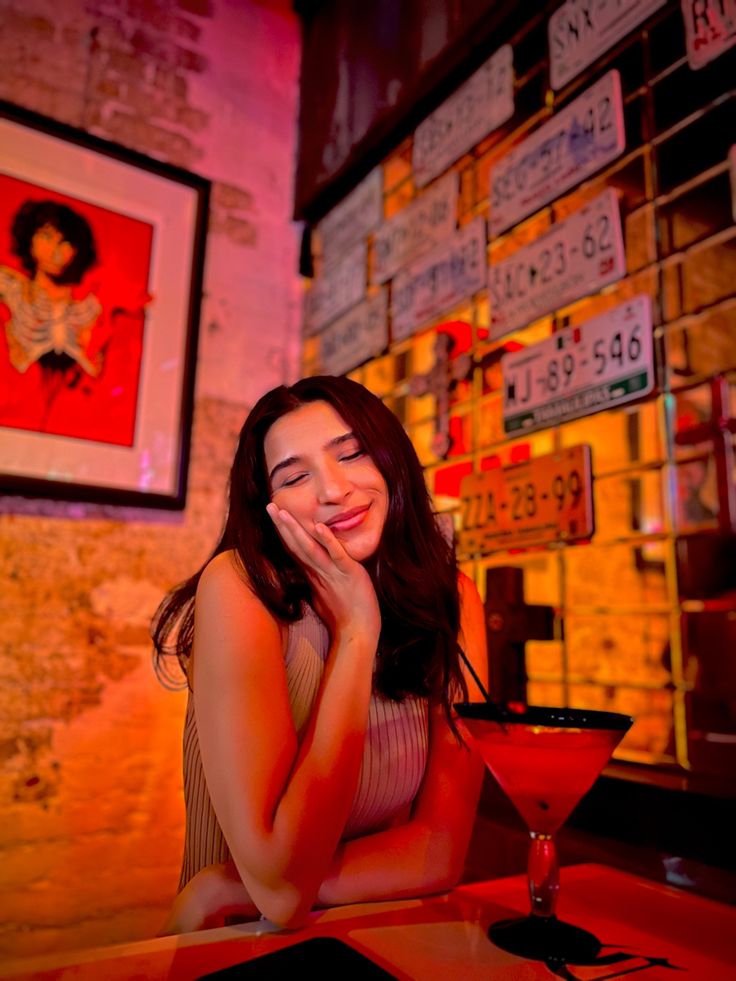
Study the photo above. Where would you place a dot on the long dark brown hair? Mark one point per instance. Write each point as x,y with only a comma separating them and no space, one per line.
414,569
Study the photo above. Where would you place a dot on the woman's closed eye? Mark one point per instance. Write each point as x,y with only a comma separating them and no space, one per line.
349,451
292,480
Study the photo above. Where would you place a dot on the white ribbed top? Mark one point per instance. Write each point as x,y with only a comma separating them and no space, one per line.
394,757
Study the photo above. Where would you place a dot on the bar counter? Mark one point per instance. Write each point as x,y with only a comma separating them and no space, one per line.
647,929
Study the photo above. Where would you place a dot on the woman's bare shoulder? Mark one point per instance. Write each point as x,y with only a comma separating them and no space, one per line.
224,583
227,608
225,567
467,589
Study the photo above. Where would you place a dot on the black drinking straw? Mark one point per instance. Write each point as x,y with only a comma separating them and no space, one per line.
495,711
476,679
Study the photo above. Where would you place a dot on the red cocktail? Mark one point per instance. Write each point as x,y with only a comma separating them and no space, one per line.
545,759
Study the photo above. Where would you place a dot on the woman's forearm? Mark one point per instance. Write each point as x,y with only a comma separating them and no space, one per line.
386,865
282,802
410,860
427,853
312,811
214,893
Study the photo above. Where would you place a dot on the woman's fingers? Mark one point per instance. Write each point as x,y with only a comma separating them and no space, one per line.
292,534
316,551
342,591
330,541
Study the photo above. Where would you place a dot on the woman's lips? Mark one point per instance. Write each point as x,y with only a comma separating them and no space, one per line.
348,520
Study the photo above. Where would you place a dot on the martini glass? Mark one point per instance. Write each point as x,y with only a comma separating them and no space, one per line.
545,759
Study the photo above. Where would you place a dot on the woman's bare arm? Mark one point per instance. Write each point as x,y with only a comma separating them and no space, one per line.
282,805
427,854
214,893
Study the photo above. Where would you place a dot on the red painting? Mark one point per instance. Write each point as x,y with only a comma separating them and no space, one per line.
74,281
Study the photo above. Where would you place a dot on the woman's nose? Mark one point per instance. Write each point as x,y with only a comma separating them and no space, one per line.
332,484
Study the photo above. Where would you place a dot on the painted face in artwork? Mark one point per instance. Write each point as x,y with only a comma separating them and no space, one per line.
51,250
320,472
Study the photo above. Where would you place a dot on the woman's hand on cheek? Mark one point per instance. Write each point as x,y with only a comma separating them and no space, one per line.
342,590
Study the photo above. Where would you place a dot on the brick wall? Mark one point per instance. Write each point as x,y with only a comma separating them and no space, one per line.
92,818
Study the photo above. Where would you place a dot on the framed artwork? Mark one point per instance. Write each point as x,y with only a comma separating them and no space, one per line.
101,259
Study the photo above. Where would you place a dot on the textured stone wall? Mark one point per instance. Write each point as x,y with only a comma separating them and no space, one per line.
90,759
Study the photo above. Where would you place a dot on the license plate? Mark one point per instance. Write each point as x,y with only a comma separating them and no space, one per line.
355,217
576,257
582,30
353,338
546,499
445,277
336,290
422,225
580,370
575,143
710,29
473,111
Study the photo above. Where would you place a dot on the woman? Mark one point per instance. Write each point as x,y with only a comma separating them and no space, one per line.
322,764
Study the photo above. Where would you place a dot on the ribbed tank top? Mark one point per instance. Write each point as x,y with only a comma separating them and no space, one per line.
394,757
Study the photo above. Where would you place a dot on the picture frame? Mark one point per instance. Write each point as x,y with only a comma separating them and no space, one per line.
101,266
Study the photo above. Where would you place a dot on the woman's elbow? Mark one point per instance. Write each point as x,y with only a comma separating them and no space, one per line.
283,895
286,906
447,875
455,871
289,919
448,864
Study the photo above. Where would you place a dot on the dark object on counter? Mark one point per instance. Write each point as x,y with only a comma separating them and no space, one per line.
325,957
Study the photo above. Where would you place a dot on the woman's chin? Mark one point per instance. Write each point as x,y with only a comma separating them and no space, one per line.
359,549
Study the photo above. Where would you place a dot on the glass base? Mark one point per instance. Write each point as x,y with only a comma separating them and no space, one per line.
545,938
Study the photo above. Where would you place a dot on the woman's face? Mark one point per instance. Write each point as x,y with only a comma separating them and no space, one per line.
318,471
51,250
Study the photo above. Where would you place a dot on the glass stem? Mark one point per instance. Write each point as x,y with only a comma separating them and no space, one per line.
544,874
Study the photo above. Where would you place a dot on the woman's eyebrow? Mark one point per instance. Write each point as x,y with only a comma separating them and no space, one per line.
336,441
284,463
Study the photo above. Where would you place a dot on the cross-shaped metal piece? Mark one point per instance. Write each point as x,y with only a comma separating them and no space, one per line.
440,381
